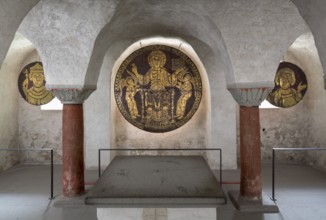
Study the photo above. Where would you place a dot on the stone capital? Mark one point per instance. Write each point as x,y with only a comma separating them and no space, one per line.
71,95
250,94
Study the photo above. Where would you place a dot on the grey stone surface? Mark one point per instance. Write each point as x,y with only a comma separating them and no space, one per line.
25,191
69,29
313,13
256,34
250,94
12,14
9,121
156,213
263,205
157,181
72,95
66,202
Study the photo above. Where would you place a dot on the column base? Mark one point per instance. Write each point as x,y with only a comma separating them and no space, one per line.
67,202
264,205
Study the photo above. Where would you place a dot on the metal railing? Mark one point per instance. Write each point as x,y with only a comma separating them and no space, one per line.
273,163
160,149
31,149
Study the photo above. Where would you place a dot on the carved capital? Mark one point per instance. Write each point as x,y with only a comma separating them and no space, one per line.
250,94
72,95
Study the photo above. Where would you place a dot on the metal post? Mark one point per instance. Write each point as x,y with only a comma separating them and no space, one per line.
286,149
273,177
51,196
99,163
220,167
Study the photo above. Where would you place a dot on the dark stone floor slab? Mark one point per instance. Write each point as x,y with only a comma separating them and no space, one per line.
157,181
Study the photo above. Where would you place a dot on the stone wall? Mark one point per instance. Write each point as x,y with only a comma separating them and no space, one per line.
237,41
314,14
194,134
12,14
97,112
38,129
9,104
301,125
97,119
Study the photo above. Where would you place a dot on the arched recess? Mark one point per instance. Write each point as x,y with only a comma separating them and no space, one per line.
313,12
9,95
11,15
195,133
131,24
302,124
24,125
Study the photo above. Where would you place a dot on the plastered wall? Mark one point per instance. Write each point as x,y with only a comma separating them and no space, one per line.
38,129
302,125
9,123
107,127
194,134
240,41
72,35
97,119
23,125
12,14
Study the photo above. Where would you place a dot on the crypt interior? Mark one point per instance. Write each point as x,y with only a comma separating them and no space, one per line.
219,62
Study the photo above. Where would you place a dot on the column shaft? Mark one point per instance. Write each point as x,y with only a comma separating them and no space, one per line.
250,159
73,150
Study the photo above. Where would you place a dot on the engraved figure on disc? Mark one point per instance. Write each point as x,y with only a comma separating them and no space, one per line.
290,86
31,85
158,88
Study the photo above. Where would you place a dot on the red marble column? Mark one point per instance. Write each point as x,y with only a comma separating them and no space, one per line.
73,150
250,160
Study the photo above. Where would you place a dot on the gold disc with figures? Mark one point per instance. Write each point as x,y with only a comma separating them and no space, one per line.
31,84
290,86
158,88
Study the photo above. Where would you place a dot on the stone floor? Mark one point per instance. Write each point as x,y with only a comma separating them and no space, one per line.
25,192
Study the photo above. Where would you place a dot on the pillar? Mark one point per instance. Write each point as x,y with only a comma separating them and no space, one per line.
249,97
72,150
250,155
73,183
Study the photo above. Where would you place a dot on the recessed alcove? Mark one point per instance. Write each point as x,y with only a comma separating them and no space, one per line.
126,135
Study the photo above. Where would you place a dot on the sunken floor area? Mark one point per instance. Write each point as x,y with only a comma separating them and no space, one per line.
25,192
